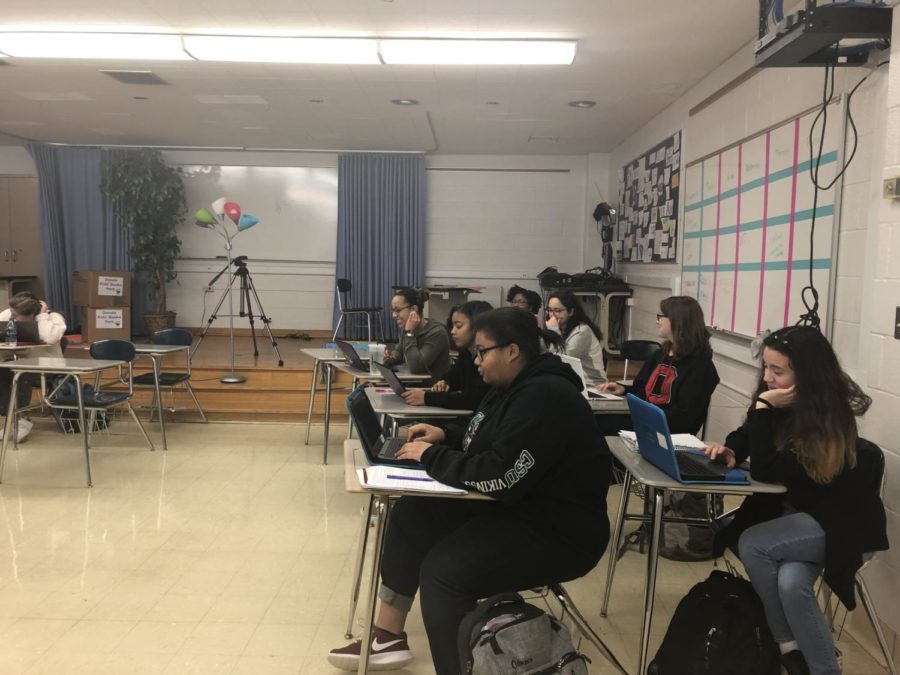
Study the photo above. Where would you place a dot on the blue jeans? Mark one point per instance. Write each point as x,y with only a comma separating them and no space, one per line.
784,557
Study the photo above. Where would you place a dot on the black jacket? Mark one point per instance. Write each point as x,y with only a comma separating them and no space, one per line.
467,389
848,509
681,387
535,448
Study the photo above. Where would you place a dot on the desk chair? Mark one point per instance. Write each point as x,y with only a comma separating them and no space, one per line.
637,350
171,336
862,590
342,290
96,400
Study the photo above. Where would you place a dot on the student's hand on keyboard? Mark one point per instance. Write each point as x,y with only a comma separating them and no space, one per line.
612,388
721,453
413,450
414,396
425,432
440,386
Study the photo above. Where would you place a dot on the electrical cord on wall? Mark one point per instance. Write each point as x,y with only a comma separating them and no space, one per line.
810,295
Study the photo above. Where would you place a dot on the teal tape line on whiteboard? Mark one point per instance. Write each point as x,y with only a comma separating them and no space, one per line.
806,214
771,266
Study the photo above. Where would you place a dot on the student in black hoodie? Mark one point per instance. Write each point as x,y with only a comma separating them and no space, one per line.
680,378
461,387
533,447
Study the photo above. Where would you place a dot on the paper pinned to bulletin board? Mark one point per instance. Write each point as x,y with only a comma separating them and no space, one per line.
647,230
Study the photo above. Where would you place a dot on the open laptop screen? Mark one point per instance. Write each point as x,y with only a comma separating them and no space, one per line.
365,418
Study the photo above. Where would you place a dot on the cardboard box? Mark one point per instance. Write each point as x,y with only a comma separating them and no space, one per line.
105,323
102,289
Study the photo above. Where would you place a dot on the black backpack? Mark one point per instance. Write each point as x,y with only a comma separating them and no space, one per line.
504,635
718,628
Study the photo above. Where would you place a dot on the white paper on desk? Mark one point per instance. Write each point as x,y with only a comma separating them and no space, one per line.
403,479
680,441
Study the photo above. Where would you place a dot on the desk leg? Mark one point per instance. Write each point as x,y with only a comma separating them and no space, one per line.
159,402
650,588
612,549
8,425
84,429
329,374
312,398
381,507
360,560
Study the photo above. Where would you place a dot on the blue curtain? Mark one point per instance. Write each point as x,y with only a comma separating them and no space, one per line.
381,228
79,228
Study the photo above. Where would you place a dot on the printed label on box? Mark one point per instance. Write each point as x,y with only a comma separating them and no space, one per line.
108,318
110,285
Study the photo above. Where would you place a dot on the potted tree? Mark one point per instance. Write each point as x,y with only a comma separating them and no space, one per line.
149,196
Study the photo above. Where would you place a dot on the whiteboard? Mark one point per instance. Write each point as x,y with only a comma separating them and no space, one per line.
296,207
747,222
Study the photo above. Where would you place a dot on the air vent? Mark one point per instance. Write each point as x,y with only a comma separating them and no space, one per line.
134,76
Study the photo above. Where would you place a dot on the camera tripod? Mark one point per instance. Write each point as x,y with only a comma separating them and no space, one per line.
248,295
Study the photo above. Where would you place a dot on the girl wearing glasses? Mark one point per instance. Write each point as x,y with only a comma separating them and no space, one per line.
681,377
524,298
581,336
461,387
533,447
424,343
801,431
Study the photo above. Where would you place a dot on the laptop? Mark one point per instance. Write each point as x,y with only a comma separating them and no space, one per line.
588,393
353,358
378,448
27,331
391,378
686,466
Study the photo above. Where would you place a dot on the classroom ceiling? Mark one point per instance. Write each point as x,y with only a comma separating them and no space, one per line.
633,59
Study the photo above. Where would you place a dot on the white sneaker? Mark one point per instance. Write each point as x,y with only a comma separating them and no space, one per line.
23,428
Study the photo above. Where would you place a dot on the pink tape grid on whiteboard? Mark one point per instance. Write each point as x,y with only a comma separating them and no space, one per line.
712,311
737,236
765,220
790,255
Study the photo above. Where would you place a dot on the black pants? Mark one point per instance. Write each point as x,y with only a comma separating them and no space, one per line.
23,395
456,552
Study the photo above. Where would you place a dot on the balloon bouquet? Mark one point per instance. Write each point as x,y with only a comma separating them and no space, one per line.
215,220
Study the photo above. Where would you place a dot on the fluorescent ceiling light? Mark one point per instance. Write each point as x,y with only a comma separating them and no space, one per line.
248,48
93,45
478,52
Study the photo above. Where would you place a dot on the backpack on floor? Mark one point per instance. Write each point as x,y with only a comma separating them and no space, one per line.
718,627
504,635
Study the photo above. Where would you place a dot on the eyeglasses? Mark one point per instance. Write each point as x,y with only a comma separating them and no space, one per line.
519,303
397,310
557,310
481,351
661,316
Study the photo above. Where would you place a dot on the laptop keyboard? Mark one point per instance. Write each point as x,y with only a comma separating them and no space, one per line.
693,466
391,447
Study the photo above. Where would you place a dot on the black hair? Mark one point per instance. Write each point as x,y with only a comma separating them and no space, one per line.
571,303
413,296
511,325
471,309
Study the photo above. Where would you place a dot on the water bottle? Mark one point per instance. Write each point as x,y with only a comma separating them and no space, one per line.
376,355
11,337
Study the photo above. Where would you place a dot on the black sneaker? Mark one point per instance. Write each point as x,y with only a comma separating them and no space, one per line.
794,663
388,652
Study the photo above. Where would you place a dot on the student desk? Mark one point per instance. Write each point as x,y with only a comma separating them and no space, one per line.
330,366
388,403
601,406
156,354
69,368
319,356
354,459
639,469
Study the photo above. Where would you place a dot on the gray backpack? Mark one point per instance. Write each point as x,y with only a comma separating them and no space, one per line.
504,635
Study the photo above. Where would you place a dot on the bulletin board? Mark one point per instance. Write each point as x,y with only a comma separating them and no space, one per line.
747,222
647,229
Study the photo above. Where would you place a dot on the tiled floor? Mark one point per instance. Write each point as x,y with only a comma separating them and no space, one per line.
231,553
